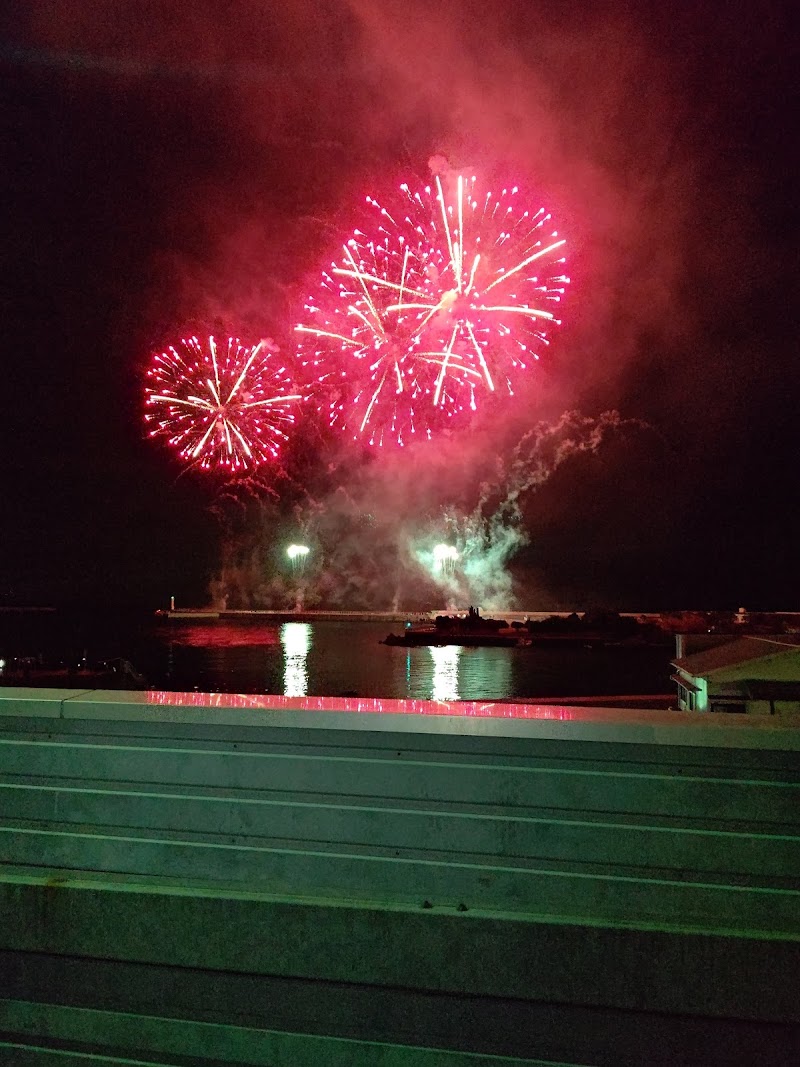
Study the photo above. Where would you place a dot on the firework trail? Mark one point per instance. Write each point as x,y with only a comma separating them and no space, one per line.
222,407
487,537
444,298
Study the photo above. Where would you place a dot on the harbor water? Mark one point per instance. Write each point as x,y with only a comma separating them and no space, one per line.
329,658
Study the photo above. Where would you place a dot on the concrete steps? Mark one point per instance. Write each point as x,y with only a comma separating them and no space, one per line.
625,887
626,839
104,1037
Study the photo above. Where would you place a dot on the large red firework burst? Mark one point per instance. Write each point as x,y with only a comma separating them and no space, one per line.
448,296
222,406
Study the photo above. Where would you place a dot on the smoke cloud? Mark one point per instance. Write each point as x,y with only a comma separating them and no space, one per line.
243,139
372,538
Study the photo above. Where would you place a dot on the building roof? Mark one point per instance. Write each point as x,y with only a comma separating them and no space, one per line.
685,683
738,650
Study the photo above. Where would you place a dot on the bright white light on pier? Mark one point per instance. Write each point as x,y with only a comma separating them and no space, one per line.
298,554
444,558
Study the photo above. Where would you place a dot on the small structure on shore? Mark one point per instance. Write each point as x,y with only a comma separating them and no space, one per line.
752,675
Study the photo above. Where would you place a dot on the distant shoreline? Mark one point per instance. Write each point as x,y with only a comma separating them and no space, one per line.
10,608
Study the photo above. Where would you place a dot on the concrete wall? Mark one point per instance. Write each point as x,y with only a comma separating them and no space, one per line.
200,882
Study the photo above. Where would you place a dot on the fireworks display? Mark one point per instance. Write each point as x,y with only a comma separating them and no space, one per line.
222,406
448,296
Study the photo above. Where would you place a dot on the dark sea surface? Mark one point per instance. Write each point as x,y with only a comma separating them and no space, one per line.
325,658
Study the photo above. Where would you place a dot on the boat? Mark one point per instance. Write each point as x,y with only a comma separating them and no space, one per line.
470,630
117,673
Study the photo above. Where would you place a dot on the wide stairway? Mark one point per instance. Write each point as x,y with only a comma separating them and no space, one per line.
226,886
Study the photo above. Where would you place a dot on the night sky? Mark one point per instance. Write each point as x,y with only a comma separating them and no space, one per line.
165,166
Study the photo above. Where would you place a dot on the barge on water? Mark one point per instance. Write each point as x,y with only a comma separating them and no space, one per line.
471,630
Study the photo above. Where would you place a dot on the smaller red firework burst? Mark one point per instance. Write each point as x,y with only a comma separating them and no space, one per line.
223,406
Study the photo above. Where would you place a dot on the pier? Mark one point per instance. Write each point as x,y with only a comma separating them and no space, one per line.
303,615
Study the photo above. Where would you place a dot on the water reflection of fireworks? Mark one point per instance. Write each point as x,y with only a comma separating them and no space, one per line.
296,641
